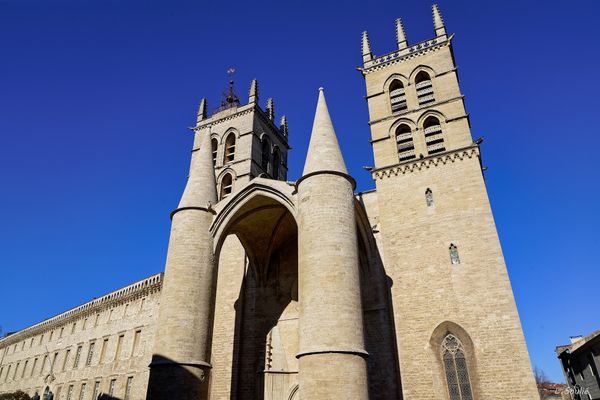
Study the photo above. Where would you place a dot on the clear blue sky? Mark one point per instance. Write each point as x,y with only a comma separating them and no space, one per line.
96,98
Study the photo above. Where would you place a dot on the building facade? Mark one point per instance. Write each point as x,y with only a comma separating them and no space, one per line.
278,290
580,362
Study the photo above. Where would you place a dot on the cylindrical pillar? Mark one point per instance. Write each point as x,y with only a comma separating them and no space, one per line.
181,354
332,357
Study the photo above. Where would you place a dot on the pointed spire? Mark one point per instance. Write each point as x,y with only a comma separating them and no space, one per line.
438,21
366,47
201,111
400,35
271,109
253,95
201,187
324,152
283,126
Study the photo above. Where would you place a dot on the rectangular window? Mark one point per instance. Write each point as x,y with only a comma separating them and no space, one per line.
8,373
31,343
24,368
53,361
136,342
33,367
142,303
15,374
70,392
126,309
51,336
23,345
84,324
67,354
103,350
73,327
96,390
41,339
90,355
119,346
111,387
82,392
62,331
128,388
77,357
97,320
44,365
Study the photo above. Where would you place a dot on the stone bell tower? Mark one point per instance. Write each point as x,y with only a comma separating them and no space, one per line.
246,142
460,336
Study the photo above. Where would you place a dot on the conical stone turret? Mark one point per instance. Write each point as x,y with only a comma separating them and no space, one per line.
332,357
181,354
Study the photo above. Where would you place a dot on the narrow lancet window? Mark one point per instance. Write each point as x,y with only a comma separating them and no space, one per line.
397,96
404,141
433,136
276,162
429,197
454,254
424,88
265,154
215,145
230,148
226,185
455,368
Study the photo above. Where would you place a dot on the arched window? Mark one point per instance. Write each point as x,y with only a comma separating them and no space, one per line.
226,185
404,141
276,162
215,145
424,88
397,96
265,154
429,197
433,135
455,367
230,148
454,259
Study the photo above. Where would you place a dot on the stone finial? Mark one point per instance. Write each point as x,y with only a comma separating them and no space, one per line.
400,35
201,111
201,187
366,47
271,109
283,126
253,95
438,21
324,152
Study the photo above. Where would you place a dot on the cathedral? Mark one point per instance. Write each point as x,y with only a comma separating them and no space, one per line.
281,290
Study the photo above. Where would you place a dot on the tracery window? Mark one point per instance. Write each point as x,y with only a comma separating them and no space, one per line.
397,96
230,148
454,258
433,135
455,368
424,88
429,197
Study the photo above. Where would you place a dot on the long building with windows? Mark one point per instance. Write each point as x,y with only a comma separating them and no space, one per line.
279,290
101,347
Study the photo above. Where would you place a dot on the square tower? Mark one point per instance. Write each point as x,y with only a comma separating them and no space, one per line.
246,142
457,328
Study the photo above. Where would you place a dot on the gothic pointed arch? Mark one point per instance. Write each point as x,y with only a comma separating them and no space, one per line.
454,353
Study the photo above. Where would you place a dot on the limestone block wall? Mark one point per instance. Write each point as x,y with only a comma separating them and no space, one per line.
432,296
101,346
